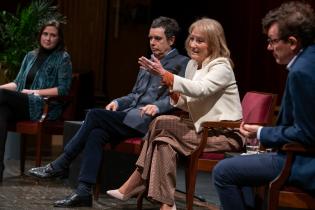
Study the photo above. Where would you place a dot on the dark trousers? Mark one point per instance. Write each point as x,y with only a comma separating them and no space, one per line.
13,106
100,127
235,177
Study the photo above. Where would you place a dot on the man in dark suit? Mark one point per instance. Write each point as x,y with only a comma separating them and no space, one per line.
125,117
291,35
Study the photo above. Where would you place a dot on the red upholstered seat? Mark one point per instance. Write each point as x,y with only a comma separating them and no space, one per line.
212,156
134,141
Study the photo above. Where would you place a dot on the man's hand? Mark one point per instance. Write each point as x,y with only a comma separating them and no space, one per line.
112,106
149,109
249,131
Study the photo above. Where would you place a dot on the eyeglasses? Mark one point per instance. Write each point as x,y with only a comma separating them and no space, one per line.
272,42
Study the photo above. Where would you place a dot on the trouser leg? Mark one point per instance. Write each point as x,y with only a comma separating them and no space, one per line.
112,131
96,118
13,106
162,181
5,114
233,178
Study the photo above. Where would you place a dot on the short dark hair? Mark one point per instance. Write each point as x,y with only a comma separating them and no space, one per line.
294,19
170,26
59,27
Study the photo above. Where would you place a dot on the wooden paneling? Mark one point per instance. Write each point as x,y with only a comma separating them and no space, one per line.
107,37
127,32
85,36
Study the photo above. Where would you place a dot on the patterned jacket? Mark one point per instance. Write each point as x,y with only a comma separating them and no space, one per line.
56,71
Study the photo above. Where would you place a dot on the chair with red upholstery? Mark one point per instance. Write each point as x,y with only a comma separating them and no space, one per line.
44,126
257,108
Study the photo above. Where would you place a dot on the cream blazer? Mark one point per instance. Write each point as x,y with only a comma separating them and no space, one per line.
211,95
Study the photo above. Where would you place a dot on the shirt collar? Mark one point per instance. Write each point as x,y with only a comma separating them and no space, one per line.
293,59
169,52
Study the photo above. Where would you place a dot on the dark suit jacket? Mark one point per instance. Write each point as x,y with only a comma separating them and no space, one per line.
296,121
148,90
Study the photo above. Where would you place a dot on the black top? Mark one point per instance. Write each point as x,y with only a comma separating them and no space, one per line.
41,57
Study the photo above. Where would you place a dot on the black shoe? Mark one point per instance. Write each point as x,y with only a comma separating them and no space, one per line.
47,172
75,200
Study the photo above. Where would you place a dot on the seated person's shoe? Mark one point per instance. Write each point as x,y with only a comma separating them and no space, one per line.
75,200
124,197
47,172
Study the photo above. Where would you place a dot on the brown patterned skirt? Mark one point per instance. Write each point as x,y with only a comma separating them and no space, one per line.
169,135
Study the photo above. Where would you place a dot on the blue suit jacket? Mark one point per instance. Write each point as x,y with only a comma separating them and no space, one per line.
296,121
148,90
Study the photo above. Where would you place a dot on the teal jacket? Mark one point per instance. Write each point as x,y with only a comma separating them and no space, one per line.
56,71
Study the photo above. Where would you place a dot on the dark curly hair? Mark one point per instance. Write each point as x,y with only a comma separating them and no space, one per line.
294,18
170,26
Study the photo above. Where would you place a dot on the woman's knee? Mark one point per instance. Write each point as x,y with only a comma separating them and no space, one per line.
164,120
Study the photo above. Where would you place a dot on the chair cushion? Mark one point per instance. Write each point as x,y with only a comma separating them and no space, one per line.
212,156
136,140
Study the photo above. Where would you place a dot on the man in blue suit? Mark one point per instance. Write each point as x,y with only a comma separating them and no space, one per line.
125,117
291,35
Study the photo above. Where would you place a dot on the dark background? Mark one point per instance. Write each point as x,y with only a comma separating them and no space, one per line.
106,37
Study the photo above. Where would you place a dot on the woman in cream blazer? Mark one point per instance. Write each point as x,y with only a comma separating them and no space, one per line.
208,93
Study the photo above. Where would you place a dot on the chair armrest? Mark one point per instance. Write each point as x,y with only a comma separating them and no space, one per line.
210,125
48,100
291,149
221,124
298,148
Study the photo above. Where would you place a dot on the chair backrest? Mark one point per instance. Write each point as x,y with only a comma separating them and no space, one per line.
259,107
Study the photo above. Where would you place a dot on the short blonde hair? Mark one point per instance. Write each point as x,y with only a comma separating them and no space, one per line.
215,38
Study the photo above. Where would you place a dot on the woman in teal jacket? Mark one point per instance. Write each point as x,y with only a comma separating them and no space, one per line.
45,71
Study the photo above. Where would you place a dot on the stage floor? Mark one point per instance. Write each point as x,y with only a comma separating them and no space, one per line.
23,192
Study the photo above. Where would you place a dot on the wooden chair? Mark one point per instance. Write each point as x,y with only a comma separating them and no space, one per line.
283,195
257,108
44,126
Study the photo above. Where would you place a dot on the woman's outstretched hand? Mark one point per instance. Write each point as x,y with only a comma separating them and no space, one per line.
154,66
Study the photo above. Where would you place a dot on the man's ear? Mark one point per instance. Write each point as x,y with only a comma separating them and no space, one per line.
294,43
171,40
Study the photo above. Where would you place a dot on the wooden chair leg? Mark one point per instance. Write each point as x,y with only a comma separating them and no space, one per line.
273,200
39,141
22,154
261,193
191,172
140,201
97,187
